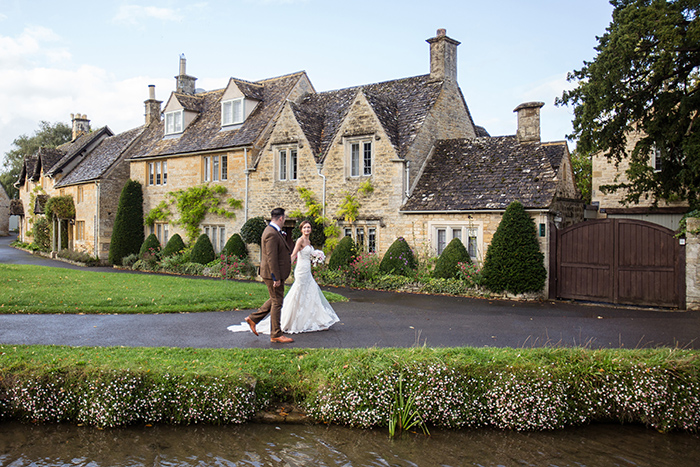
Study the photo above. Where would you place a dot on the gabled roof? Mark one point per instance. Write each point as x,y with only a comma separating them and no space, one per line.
98,161
74,148
204,133
486,173
401,107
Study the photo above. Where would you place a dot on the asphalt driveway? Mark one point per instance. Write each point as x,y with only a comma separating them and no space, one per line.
368,319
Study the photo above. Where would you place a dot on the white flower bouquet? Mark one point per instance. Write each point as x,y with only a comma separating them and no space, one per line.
317,257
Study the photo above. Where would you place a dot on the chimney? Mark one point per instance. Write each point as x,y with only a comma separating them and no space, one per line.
529,122
152,106
185,83
443,57
81,125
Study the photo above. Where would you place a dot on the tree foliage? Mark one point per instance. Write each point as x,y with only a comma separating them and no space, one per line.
235,246
399,259
582,166
151,245
344,254
514,261
644,80
48,136
203,250
252,230
174,246
127,234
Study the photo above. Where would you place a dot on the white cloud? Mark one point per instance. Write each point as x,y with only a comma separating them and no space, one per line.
136,14
34,43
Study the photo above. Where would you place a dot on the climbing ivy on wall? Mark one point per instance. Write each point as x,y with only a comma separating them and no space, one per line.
350,207
192,205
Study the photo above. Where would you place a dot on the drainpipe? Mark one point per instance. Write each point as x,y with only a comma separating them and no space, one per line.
408,179
319,167
247,178
96,228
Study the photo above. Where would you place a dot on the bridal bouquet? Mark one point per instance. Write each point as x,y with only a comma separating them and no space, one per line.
317,257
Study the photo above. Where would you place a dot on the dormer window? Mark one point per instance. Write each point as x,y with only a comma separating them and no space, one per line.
173,122
232,112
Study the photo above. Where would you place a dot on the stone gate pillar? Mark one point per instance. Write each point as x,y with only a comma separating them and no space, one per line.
692,264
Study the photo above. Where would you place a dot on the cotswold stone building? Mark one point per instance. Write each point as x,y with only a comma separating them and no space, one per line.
406,152
434,175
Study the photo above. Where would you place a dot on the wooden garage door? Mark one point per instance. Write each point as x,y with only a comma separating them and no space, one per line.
621,261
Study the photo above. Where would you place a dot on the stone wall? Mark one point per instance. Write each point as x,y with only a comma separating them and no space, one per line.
692,265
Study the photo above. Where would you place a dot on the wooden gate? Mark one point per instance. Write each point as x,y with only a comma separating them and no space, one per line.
620,261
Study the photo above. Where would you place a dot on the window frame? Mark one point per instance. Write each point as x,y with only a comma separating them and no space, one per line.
173,125
364,234
470,233
232,115
157,173
217,236
360,162
287,163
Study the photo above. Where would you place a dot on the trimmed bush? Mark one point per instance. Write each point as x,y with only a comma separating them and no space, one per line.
174,246
344,254
41,231
454,253
398,259
151,244
252,230
127,234
235,246
203,251
318,235
514,262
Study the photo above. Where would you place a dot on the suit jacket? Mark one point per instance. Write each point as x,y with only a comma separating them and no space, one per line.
276,257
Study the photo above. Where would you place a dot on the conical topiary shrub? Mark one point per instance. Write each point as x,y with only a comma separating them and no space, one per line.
150,245
343,254
454,252
174,246
398,259
514,262
252,230
127,233
203,251
235,246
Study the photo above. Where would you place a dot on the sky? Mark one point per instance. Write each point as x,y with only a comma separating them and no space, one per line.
98,58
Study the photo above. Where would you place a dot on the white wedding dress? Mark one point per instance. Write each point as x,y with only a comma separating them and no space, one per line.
305,308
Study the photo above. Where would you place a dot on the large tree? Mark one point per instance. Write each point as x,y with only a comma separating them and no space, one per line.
644,81
48,135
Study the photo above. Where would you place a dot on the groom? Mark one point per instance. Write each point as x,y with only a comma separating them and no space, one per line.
275,266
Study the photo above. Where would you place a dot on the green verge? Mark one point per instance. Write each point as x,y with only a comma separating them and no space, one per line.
519,389
40,289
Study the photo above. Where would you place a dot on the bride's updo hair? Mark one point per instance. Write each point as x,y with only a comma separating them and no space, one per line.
303,223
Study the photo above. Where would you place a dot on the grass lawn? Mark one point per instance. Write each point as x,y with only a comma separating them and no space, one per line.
40,289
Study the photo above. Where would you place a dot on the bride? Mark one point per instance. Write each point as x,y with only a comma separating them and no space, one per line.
305,308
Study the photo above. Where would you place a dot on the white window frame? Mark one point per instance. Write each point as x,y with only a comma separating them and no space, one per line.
656,159
206,176
158,173
214,168
224,167
232,111
162,231
471,234
359,153
364,234
174,122
287,163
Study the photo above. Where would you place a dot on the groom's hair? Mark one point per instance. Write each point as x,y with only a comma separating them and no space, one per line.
277,213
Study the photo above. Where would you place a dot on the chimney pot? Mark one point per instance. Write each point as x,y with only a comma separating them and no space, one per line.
443,57
152,106
441,32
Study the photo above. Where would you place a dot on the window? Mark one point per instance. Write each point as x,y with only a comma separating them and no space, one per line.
360,157
468,232
232,112
162,232
217,236
79,231
287,164
364,236
173,122
656,159
158,173
81,194
214,168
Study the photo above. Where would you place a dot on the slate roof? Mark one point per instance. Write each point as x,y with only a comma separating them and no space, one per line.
401,106
72,149
98,161
486,173
16,207
205,133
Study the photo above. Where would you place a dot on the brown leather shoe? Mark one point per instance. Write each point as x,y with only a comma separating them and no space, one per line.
251,323
282,339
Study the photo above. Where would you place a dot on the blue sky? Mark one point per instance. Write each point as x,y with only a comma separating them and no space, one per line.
98,58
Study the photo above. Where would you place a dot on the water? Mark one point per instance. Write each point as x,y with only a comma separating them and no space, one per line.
301,445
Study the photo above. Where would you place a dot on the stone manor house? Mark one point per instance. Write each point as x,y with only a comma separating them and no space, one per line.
435,175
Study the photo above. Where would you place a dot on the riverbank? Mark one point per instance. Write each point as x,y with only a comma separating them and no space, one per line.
515,389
